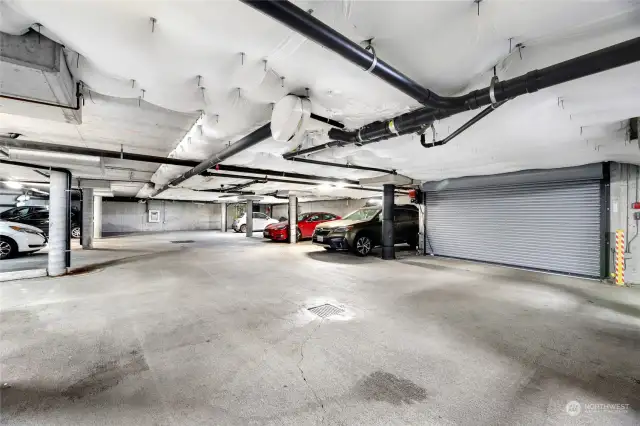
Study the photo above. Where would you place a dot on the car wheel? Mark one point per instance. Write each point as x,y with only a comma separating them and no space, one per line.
243,229
362,245
298,234
8,248
75,232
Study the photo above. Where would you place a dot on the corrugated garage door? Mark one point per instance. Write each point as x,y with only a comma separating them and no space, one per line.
552,226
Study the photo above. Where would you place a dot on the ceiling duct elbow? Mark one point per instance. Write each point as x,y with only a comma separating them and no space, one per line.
290,119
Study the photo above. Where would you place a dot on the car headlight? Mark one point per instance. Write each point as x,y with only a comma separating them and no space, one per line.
26,230
281,227
342,229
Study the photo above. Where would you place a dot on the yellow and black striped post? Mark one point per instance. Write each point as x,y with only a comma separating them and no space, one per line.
619,262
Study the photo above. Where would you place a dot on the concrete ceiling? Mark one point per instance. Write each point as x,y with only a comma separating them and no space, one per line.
202,74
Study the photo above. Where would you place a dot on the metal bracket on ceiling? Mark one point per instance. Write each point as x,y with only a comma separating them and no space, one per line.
492,90
478,3
369,46
153,24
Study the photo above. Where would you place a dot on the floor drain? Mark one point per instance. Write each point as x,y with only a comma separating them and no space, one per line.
326,310
183,241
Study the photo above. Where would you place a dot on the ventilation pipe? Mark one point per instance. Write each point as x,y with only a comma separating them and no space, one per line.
248,141
488,110
302,22
592,63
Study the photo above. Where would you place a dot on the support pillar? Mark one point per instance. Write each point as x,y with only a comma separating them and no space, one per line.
97,216
293,219
249,218
388,234
59,233
87,218
223,220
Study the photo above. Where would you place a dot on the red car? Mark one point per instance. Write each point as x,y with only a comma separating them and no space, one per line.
306,225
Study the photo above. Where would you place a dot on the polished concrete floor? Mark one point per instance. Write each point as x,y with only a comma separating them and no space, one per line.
217,332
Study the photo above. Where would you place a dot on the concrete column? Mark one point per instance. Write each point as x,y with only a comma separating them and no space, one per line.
388,234
97,217
249,218
223,220
293,219
59,237
87,218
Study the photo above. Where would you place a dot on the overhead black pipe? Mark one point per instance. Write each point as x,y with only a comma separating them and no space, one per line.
122,155
242,185
592,63
304,23
248,141
344,166
353,183
329,121
488,110
51,104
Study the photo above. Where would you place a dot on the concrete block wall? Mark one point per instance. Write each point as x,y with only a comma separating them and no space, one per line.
127,217
624,192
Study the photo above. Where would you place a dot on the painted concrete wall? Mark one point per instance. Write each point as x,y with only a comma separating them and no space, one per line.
624,192
339,207
125,217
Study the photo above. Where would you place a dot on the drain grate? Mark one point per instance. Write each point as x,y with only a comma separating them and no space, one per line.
183,242
326,310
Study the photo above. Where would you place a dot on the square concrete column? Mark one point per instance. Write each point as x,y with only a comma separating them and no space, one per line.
97,216
59,233
87,218
388,233
293,219
223,217
249,223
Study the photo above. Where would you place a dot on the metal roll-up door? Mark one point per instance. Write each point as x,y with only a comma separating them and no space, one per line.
550,226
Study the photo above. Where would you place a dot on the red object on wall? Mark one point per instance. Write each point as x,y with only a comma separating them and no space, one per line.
635,205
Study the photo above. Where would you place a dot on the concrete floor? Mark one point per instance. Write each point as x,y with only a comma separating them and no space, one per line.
217,332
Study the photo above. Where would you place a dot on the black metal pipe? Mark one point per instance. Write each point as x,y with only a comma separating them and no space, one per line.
602,60
353,183
122,155
279,174
304,23
248,141
311,150
329,121
51,104
488,110
388,233
344,166
242,185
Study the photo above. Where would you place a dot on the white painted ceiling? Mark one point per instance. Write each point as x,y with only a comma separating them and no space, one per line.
207,60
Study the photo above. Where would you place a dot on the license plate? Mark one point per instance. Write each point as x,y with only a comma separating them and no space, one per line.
319,238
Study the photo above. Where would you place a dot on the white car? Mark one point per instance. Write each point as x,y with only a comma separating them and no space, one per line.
19,238
260,221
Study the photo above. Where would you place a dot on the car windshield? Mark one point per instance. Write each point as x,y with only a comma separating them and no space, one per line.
362,214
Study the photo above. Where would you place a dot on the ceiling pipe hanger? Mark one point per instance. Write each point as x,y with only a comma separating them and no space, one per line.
253,138
605,59
304,23
11,142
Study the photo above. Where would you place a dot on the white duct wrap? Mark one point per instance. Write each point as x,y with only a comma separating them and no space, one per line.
58,232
